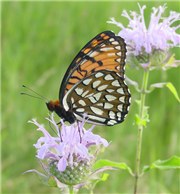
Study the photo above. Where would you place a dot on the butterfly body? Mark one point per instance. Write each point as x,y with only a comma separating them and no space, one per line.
94,83
60,111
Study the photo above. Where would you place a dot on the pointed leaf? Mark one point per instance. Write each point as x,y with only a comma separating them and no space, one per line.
171,163
173,90
168,85
43,178
156,85
102,163
97,174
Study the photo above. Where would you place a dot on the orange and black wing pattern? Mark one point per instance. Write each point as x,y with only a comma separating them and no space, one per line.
106,51
94,84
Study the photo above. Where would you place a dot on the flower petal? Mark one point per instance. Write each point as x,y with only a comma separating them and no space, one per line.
62,164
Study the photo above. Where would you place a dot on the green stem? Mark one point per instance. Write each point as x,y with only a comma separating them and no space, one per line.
91,191
71,190
140,131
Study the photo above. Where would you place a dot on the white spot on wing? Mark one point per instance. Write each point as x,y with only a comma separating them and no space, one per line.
80,110
111,122
120,91
110,97
117,47
97,96
96,118
87,81
96,110
108,77
96,83
82,102
94,53
118,60
99,104
79,91
119,116
115,43
101,88
120,107
92,99
103,45
106,49
72,100
99,74
108,105
89,95
111,54
84,94
112,115
115,83
122,98
109,90
119,54
74,106
111,39
118,68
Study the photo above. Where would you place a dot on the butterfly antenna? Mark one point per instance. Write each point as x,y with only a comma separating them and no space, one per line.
40,96
52,127
60,135
79,132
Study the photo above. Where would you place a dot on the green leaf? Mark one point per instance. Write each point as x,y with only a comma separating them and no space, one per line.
163,61
137,119
102,163
169,85
173,90
105,176
145,117
171,163
52,182
42,178
170,60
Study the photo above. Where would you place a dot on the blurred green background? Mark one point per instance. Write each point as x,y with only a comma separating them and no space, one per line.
39,41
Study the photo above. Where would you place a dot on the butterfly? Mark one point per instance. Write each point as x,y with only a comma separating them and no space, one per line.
94,83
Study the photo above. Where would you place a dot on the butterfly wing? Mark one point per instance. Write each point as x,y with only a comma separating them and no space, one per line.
102,95
106,51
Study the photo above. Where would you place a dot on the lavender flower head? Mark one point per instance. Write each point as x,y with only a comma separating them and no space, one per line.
69,162
149,46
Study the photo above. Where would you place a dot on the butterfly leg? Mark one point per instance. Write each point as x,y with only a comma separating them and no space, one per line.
80,137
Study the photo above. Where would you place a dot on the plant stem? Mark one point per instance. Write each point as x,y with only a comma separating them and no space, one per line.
71,190
140,131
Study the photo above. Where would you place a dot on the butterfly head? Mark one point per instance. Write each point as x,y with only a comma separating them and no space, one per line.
60,111
52,105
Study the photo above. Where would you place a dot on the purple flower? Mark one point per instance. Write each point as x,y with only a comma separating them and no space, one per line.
69,161
149,45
